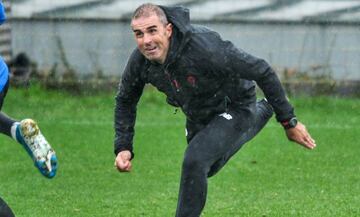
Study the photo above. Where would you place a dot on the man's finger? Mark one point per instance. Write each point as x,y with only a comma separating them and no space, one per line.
313,141
310,144
310,140
123,165
123,169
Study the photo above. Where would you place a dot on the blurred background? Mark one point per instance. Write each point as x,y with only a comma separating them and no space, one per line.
310,43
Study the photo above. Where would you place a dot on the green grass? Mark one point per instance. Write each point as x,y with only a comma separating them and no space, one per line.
268,177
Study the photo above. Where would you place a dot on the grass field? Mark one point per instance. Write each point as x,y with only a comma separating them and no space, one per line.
268,177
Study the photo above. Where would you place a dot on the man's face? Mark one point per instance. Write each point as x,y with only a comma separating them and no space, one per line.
152,37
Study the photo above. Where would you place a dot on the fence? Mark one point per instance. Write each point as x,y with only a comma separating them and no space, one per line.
5,36
92,46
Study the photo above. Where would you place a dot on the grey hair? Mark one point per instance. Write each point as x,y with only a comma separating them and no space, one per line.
148,9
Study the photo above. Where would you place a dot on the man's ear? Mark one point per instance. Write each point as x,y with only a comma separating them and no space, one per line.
169,28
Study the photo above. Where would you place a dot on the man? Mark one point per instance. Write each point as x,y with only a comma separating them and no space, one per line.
212,82
25,132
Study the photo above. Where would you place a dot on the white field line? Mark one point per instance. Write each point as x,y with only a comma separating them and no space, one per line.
176,124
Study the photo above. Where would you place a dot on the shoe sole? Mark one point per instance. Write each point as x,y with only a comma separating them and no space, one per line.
30,130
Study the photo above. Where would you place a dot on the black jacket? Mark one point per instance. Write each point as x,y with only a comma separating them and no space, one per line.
202,74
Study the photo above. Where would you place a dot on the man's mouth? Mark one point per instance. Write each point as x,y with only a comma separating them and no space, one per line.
150,50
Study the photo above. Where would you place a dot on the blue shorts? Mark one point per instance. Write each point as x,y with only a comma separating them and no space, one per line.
4,74
3,94
4,81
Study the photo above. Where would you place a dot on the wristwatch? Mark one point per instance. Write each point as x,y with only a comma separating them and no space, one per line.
291,123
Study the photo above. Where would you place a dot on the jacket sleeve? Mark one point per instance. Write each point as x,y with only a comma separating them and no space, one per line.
129,92
240,64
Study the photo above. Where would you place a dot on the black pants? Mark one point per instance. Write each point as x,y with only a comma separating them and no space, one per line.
5,210
5,121
211,146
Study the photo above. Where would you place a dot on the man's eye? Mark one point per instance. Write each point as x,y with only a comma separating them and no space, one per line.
152,30
138,34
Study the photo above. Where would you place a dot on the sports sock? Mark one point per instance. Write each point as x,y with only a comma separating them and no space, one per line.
6,124
13,130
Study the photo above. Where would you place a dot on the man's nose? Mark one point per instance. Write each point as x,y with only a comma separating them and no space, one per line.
147,38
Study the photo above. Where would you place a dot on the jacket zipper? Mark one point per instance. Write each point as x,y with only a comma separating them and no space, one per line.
175,89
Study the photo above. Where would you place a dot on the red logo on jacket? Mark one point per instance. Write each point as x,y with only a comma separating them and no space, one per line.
191,80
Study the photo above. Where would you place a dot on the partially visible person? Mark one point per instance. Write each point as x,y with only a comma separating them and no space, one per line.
26,132
5,210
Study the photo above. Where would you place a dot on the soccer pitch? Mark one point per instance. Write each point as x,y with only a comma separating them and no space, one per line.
270,176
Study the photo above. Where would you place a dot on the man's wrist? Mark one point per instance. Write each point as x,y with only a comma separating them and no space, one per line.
117,151
290,123
126,154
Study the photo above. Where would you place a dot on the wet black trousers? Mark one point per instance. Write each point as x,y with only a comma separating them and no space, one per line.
5,121
5,210
211,146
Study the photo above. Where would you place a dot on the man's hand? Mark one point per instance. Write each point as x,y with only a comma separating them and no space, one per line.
300,135
123,161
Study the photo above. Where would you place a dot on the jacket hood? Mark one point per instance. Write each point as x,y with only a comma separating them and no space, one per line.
179,17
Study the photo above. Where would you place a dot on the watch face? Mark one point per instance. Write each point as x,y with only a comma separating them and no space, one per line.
292,122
